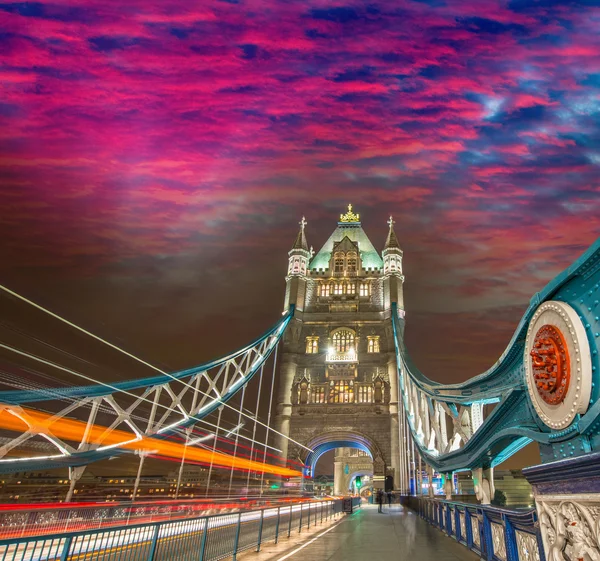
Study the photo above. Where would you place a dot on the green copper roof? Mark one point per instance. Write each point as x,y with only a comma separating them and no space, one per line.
369,255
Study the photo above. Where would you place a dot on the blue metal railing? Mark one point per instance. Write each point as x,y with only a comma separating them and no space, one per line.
493,533
207,538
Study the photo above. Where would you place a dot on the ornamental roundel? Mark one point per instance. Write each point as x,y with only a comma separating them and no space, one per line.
558,364
550,364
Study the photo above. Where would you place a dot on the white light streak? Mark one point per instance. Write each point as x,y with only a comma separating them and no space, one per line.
140,360
75,373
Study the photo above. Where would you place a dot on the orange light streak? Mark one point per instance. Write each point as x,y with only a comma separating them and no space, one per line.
72,430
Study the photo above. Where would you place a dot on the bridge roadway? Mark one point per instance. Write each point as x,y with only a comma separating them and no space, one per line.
397,534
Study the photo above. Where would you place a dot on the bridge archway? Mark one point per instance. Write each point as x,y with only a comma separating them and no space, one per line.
342,439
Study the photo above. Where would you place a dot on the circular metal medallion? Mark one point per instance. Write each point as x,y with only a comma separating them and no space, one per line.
558,364
550,364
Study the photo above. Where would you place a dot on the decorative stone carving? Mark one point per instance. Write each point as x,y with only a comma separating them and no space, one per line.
463,526
550,364
475,531
570,527
558,364
498,541
527,546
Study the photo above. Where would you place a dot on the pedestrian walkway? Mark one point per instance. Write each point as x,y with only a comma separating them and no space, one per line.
397,534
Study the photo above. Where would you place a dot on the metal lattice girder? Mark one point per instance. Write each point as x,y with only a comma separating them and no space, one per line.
150,407
483,421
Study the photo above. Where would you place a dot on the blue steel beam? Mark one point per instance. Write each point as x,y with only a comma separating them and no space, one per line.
196,397
514,422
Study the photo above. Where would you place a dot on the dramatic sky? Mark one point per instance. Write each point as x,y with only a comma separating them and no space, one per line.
156,158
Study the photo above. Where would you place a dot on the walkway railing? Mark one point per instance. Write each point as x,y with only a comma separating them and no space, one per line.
19,521
207,538
493,533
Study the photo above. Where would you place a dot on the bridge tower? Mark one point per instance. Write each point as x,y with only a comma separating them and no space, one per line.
337,378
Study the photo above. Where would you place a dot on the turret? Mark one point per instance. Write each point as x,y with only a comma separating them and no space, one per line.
392,269
295,280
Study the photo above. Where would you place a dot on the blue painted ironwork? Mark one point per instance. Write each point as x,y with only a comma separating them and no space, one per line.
320,449
513,423
191,395
496,534
206,538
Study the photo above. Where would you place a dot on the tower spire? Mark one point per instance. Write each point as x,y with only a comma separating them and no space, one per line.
300,242
392,240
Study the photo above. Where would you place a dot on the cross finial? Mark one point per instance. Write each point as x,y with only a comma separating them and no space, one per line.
391,222
303,223
312,251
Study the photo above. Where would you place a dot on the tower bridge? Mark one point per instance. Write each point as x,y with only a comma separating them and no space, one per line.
332,374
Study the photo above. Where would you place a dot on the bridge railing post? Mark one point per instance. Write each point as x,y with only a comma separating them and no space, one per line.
488,542
290,522
301,511
237,536
152,551
277,524
510,538
260,529
204,538
66,547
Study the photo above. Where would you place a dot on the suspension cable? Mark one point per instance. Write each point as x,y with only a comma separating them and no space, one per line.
142,361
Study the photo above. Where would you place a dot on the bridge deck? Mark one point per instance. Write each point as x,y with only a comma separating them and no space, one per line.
397,534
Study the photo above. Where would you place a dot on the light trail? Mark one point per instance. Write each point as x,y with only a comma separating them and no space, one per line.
142,361
70,429
89,379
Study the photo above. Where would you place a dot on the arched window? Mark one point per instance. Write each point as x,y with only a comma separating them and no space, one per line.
338,263
343,340
351,262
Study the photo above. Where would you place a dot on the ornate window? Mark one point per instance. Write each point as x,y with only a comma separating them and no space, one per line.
365,394
350,288
312,345
373,345
343,340
351,262
338,288
325,289
338,263
341,391
364,289
317,394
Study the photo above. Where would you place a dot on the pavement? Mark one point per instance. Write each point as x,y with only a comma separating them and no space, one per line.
397,534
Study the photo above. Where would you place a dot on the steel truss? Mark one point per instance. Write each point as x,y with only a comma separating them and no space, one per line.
128,411
479,423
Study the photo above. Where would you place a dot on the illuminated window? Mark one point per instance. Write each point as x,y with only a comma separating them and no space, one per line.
365,394
343,340
317,394
338,288
351,288
351,263
341,391
312,345
338,262
364,289
325,290
373,346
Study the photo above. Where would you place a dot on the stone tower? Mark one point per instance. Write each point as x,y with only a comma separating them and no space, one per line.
337,378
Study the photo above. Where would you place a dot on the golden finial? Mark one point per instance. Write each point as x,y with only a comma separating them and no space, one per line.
349,216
